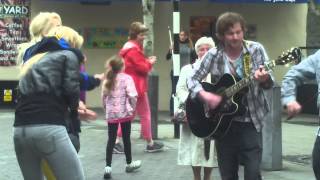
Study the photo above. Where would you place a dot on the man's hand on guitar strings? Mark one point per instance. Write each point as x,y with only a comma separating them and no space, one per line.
212,100
261,74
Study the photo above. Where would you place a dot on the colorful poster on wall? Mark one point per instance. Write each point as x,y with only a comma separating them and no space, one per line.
14,25
110,38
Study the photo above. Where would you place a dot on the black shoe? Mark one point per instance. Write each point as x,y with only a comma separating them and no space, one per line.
118,149
156,147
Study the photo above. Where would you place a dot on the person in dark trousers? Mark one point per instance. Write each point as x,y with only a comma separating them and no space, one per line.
187,56
308,69
241,59
119,98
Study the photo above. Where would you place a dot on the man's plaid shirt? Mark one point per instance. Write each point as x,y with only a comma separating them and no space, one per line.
213,62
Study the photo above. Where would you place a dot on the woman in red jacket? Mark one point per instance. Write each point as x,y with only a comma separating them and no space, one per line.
138,66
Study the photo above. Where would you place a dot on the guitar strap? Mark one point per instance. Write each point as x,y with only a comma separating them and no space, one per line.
207,143
246,61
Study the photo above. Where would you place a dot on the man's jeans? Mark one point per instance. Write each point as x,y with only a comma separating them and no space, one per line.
316,158
242,144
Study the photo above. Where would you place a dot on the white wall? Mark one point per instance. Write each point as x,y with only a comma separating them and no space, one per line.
279,27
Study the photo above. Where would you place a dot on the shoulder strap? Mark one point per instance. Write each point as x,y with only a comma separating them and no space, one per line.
246,60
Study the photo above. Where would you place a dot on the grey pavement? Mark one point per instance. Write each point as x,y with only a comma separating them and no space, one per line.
297,141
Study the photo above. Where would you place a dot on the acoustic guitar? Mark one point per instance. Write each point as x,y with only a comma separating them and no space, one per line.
214,123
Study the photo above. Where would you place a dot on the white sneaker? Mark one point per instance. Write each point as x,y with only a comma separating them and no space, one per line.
133,166
107,172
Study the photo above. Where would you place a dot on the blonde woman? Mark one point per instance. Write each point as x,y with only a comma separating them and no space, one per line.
39,27
48,88
191,148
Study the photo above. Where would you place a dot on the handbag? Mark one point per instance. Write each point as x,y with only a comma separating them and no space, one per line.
180,115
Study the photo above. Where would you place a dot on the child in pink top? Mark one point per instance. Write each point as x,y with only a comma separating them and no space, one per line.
119,97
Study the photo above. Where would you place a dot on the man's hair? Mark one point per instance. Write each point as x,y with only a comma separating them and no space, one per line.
227,20
42,23
135,29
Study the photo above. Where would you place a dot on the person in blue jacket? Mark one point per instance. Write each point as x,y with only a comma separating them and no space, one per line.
308,69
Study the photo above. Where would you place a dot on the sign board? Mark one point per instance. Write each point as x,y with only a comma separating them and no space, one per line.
14,25
260,1
7,95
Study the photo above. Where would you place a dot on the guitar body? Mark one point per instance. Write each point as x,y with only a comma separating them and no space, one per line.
214,123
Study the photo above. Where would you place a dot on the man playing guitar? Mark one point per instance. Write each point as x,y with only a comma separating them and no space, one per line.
241,59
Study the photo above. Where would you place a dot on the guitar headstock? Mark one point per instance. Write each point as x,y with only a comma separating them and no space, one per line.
293,55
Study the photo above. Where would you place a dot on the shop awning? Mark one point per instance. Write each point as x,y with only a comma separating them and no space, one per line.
260,1
108,2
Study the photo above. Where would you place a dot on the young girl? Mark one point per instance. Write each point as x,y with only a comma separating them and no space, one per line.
119,98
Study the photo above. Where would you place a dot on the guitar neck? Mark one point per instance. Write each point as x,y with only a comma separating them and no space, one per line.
232,90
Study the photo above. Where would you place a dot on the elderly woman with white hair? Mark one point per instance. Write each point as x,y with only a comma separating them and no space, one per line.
191,148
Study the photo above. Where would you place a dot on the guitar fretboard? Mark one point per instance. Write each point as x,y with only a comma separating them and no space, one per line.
294,54
232,90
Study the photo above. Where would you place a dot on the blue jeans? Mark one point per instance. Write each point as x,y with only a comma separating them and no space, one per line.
51,142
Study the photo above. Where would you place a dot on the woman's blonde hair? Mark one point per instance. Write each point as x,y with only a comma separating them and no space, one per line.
74,39
67,33
39,27
114,65
27,66
42,23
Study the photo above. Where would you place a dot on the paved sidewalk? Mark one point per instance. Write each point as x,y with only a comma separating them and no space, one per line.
298,139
